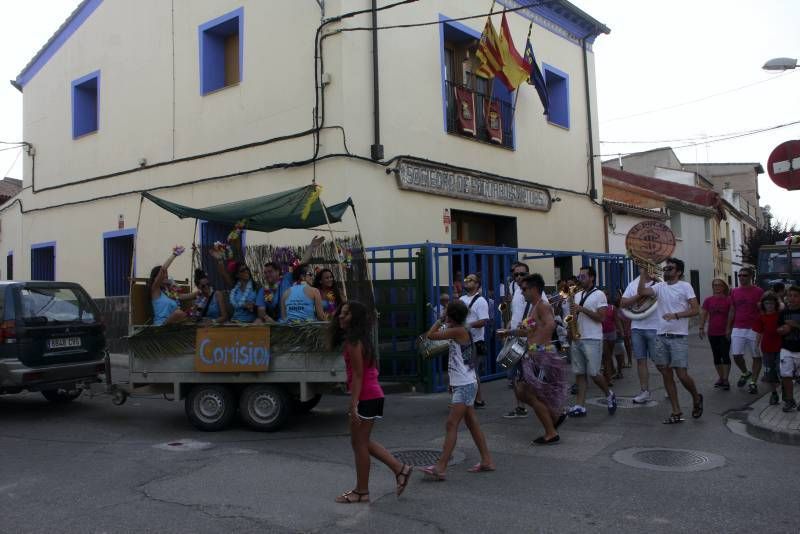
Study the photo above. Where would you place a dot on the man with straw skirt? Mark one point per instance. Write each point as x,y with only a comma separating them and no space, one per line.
541,375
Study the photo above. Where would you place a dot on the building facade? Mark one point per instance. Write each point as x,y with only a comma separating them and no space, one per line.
207,102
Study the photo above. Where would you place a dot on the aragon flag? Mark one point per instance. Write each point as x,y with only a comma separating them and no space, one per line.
515,70
536,79
487,53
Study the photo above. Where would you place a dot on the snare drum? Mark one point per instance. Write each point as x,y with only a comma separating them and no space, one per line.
429,348
513,350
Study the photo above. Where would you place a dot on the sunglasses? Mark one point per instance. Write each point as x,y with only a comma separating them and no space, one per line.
520,273
744,276
668,269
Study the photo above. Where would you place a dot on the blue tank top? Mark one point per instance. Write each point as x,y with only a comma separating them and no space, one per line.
299,307
163,307
213,308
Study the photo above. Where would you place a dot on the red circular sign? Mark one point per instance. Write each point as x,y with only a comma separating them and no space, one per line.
783,165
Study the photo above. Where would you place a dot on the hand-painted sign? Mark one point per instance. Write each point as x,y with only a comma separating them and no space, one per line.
436,179
232,349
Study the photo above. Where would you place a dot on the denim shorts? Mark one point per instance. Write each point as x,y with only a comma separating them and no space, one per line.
464,394
586,356
672,351
644,343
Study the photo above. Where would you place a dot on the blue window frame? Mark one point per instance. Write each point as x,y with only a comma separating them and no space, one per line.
85,104
10,265
117,258
221,46
43,261
557,82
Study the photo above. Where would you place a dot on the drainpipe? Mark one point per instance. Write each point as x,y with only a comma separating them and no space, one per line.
376,150
592,188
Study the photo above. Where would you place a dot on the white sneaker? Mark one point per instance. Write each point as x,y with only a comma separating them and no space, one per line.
642,398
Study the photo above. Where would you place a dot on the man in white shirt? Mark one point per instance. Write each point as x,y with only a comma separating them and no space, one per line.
516,300
477,319
643,339
676,303
587,352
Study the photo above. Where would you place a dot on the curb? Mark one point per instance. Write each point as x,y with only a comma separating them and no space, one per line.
770,431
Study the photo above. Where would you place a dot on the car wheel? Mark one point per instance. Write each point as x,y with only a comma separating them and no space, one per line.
303,407
210,407
264,407
61,396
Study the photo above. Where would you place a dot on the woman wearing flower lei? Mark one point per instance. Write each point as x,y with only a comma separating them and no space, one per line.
243,294
164,294
329,291
209,304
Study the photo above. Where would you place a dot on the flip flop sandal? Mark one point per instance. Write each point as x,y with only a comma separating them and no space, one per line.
674,419
698,408
433,474
406,475
480,468
541,440
353,497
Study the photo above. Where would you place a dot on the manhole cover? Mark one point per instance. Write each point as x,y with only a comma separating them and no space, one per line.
678,460
425,457
622,402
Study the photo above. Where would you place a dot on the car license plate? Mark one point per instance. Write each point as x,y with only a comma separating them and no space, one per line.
63,342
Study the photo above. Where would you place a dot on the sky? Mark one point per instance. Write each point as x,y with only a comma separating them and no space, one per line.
676,73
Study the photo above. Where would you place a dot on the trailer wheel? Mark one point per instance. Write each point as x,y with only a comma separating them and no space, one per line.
264,407
210,407
303,407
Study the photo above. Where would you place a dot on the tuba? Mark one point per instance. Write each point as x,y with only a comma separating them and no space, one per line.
572,320
648,243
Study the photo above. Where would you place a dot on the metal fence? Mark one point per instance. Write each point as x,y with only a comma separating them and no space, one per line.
481,99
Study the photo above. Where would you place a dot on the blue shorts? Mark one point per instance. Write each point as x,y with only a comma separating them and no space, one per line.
644,343
672,351
464,394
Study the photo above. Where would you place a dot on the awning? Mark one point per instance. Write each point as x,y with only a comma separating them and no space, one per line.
264,214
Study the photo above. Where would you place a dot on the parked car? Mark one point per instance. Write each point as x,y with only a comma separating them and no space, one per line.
52,339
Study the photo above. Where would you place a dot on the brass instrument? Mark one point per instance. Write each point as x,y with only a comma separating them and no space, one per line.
644,306
648,244
572,320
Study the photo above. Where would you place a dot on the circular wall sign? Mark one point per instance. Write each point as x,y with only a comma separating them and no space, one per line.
650,240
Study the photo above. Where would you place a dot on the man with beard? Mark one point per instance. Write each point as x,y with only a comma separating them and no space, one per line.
676,303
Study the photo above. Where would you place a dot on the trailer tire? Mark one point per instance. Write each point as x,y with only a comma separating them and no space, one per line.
303,407
264,407
210,407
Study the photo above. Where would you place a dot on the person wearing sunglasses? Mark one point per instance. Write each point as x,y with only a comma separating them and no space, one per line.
477,319
515,300
209,304
676,303
743,314
243,295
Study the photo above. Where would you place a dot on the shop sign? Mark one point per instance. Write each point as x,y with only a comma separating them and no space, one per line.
436,179
234,349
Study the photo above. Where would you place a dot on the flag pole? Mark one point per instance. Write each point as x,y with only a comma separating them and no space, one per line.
516,96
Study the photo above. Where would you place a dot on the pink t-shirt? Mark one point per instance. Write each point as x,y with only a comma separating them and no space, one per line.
370,388
608,321
745,300
717,307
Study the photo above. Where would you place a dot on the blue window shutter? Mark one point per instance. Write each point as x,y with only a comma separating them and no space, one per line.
118,254
43,263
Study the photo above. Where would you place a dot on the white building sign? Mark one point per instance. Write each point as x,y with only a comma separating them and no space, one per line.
439,180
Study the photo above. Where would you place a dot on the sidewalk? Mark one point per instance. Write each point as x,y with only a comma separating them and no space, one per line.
771,423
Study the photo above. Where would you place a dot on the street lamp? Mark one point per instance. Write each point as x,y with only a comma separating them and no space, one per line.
780,63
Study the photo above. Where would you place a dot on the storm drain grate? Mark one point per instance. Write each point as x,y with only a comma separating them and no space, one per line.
622,402
425,457
678,460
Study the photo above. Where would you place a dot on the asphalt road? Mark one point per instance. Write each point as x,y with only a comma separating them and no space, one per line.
94,467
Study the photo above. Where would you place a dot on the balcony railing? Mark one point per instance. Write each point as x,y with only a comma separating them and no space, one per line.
481,134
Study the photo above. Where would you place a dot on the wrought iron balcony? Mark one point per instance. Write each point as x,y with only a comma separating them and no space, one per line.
481,133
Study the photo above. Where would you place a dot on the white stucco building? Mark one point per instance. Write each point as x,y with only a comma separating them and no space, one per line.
204,102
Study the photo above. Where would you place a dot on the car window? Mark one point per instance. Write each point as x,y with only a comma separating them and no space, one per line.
55,305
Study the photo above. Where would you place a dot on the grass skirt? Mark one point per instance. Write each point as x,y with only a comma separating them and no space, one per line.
544,374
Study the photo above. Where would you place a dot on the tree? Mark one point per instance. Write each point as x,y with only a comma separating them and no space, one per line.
771,233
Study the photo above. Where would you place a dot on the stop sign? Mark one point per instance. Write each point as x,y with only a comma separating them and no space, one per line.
783,165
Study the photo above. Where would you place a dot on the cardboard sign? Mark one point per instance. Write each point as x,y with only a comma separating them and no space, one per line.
232,349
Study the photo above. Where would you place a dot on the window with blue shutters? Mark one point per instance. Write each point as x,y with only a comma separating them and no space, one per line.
221,51
43,261
85,104
117,258
557,82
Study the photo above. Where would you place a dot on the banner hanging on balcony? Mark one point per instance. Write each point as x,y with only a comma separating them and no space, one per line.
465,102
494,121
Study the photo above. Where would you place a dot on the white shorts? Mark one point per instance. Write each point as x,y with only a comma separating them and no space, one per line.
790,363
743,339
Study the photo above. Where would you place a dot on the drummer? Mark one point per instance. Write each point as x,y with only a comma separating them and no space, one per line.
541,380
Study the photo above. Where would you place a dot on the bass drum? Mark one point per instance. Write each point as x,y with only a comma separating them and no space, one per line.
643,309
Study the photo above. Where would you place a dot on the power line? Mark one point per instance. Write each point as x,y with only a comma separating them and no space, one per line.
699,138
701,99
12,165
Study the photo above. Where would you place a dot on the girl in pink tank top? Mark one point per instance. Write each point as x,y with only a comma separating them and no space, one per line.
351,327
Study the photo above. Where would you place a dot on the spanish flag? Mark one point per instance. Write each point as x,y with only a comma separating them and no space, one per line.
491,61
515,70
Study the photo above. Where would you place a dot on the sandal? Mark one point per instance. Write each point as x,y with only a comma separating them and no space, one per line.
352,497
697,412
406,475
433,473
674,419
541,440
480,468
